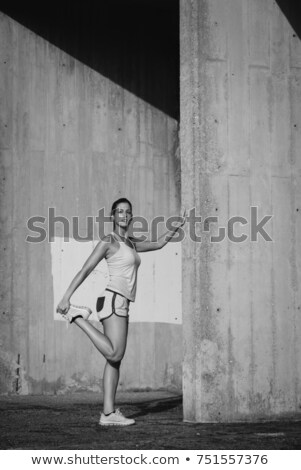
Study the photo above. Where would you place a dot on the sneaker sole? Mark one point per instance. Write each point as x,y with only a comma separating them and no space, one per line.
116,424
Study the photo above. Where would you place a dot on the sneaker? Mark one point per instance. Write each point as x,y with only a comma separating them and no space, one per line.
75,311
115,419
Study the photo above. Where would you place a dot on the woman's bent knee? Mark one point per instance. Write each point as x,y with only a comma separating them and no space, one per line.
115,357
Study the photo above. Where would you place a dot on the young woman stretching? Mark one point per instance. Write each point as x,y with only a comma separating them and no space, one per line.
120,252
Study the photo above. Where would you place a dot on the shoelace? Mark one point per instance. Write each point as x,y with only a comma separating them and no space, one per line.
80,306
118,412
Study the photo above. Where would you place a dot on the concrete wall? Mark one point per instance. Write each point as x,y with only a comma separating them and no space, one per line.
240,147
74,140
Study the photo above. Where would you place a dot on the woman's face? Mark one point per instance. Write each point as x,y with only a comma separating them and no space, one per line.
122,215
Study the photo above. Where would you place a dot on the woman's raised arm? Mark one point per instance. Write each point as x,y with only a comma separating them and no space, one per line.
162,241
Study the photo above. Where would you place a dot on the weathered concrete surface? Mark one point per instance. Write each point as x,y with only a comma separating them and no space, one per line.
240,147
71,422
75,141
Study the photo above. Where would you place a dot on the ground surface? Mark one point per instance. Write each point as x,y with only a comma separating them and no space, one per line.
71,422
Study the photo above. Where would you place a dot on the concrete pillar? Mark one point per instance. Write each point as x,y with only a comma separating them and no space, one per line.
240,148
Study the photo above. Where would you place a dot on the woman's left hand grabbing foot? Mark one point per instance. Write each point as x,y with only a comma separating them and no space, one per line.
63,306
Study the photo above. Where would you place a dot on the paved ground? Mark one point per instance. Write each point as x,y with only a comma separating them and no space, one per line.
71,422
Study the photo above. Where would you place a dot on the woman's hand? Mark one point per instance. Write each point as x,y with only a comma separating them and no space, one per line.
63,306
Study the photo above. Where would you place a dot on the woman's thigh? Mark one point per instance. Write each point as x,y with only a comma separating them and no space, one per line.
116,329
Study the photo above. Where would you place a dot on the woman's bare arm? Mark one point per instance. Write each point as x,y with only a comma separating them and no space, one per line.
147,245
96,256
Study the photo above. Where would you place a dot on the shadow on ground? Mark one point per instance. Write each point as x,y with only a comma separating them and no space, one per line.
71,422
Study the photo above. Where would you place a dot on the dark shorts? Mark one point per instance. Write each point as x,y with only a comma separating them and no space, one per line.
112,303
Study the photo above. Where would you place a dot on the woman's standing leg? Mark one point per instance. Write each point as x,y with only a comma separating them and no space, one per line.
112,345
110,382
116,330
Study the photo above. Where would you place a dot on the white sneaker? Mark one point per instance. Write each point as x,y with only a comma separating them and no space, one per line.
115,419
75,311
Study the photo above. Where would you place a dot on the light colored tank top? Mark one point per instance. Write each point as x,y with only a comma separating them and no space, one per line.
123,267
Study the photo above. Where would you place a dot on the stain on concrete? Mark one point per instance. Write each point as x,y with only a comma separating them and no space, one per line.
11,373
65,385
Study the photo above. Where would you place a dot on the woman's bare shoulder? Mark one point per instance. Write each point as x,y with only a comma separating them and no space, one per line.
108,238
105,243
110,243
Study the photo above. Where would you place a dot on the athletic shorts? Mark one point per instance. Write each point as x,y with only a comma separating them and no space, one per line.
112,303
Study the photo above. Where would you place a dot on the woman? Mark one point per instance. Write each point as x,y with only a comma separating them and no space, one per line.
120,252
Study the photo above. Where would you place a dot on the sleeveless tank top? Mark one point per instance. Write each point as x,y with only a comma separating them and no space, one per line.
123,267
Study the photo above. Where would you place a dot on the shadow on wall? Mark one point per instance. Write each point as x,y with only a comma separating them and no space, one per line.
134,43
292,10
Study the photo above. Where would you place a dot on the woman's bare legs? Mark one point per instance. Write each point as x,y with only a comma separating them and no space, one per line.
116,329
110,382
100,341
112,345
